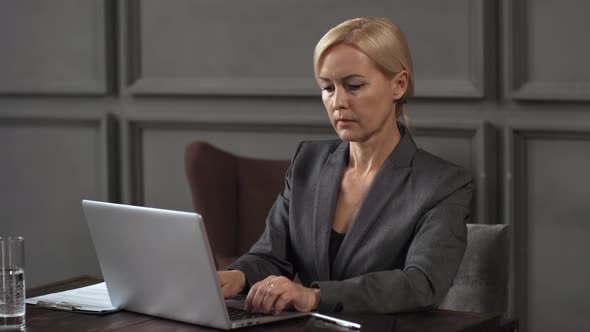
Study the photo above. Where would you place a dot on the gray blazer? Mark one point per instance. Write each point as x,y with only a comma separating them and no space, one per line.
404,245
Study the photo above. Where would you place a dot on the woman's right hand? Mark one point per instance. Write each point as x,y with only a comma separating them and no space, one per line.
231,282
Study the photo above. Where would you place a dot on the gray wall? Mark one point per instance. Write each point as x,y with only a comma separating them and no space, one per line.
99,98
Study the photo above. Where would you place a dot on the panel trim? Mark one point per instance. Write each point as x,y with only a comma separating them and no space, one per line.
519,85
135,162
480,11
514,184
110,152
132,25
484,152
138,84
106,124
516,202
90,86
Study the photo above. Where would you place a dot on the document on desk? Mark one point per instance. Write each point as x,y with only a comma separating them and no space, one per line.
93,299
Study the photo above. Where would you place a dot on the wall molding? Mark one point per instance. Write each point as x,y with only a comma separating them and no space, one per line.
85,86
106,125
519,85
138,84
516,202
484,160
480,12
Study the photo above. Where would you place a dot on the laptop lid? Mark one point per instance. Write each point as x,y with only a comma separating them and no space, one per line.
158,262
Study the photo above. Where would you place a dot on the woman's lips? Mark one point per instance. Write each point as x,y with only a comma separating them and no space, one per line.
344,122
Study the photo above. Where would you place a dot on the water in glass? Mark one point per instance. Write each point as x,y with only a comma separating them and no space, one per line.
12,298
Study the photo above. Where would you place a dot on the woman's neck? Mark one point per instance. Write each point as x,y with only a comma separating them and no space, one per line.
367,157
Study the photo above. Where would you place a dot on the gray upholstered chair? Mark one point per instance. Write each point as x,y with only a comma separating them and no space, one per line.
481,284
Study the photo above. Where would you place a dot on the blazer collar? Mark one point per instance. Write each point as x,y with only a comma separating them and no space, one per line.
324,205
390,177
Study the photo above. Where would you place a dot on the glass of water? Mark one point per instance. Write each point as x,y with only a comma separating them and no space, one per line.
12,283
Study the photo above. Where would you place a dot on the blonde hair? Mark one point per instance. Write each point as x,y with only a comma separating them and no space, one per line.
380,40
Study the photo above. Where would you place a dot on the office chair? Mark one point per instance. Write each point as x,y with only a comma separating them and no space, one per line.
234,195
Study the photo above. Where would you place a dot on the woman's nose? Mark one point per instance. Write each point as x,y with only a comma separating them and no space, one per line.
340,99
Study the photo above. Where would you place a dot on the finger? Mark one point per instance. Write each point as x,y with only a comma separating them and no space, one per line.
280,295
250,297
282,302
266,291
270,296
256,297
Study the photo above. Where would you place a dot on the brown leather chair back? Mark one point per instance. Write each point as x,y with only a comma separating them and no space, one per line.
233,194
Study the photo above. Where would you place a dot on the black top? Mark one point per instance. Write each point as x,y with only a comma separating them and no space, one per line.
335,243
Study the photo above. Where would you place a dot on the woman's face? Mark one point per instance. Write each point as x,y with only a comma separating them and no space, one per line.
359,99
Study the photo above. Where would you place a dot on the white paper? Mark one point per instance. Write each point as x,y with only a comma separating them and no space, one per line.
91,298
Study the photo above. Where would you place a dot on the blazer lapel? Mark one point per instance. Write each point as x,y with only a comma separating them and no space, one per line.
385,185
325,203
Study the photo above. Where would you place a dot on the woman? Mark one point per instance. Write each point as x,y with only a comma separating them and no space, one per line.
369,222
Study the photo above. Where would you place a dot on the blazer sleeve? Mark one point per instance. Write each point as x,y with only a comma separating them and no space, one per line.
270,255
432,260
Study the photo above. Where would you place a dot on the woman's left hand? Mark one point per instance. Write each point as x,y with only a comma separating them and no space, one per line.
275,294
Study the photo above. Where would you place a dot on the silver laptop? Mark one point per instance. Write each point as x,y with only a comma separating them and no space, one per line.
158,262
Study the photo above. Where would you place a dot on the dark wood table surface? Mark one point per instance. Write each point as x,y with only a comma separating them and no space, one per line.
39,319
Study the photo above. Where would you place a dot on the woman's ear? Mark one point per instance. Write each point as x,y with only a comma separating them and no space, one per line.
400,84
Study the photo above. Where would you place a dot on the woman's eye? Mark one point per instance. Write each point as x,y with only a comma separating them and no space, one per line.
328,88
354,87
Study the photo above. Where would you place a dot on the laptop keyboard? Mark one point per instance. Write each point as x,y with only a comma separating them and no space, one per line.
237,314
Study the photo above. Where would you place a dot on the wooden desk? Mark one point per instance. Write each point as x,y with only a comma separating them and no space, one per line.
39,319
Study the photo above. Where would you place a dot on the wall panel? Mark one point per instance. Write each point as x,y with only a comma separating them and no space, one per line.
48,166
53,47
545,59
472,147
549,210
201,47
